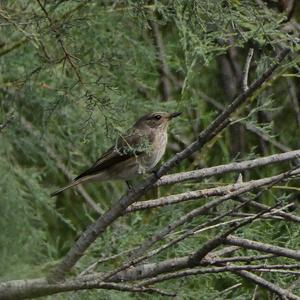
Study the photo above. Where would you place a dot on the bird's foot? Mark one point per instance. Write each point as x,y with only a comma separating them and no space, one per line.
129,185
154,172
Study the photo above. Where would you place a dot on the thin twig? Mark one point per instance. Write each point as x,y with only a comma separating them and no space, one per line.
215,242
230,268
68,56
246,69
148,270
249,244
282,293
102,260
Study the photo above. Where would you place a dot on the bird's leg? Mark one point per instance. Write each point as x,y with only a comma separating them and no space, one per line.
129,185
154,172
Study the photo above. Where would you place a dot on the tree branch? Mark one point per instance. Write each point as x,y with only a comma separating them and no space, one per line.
231,167
229,268
282,293
119,208
249,244
205,193
246,69
159,235
34,288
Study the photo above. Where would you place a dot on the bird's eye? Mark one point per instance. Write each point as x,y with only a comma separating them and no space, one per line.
157,117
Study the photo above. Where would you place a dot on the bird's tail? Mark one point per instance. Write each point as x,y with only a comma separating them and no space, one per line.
74,183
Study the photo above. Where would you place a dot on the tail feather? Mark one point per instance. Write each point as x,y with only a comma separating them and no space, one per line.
98,177
74,183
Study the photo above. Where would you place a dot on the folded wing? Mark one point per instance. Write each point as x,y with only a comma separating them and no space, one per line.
125,148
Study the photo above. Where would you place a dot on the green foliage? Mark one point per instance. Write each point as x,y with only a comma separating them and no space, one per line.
84,77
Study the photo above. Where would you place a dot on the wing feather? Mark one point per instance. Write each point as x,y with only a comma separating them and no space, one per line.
125,148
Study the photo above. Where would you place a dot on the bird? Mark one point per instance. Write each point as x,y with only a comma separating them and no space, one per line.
135,153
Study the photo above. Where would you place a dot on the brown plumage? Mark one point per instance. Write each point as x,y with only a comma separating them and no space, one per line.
136,153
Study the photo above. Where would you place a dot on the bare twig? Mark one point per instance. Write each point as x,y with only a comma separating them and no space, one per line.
33,288
231,167
172,242
232,240
217,191
283,214
148,270
215,242
14,45
282,293
210,244
102,260
229,268
141,270
247,68
254,292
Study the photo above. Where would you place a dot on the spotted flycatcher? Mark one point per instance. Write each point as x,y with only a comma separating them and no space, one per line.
135,153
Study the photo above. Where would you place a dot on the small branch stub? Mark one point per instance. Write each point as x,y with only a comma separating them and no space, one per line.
246,69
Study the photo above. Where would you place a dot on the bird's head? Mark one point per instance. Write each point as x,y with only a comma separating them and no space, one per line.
156,120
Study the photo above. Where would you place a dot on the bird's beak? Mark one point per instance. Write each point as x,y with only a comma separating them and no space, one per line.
174,115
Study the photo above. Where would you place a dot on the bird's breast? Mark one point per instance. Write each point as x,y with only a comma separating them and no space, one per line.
158,148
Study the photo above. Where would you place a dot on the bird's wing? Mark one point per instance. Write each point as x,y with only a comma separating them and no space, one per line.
125,148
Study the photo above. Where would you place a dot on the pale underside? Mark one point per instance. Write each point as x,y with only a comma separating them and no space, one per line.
135,165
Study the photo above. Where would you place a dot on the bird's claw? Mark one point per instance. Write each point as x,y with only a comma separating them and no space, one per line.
129,185
155,173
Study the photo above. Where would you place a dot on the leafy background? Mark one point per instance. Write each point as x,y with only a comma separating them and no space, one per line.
112,48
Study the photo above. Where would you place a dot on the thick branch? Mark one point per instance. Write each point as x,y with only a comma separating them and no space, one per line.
34,288
231,167
232,240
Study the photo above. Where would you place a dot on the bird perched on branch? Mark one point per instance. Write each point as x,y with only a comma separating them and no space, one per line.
135,153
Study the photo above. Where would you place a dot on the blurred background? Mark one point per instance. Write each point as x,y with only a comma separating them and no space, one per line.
76,74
